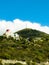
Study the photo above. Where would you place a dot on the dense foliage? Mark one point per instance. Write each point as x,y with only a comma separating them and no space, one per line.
32,46
31,33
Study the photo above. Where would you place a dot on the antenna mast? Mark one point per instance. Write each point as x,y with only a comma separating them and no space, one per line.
26,25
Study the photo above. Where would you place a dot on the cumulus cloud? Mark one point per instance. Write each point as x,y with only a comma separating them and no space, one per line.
18,24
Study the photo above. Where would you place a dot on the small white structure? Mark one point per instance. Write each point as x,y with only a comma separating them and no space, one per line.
9,33
16,36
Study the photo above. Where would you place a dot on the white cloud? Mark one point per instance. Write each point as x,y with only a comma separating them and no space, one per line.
18,24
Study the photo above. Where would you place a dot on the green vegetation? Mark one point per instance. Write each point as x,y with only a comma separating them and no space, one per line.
32,46
27,33
0,62
14,64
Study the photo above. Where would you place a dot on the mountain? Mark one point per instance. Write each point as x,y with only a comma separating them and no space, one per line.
27,33
33,45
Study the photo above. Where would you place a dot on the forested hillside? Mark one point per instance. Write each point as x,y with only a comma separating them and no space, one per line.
33,46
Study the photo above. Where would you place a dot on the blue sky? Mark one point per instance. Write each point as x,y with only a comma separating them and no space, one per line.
31,10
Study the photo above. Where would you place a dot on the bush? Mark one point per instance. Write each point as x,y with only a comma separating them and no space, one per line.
0,62
17,64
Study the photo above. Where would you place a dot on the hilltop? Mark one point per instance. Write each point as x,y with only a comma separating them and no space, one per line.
31,33
33,45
